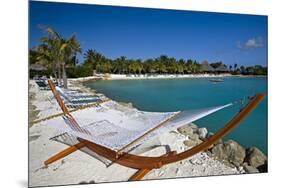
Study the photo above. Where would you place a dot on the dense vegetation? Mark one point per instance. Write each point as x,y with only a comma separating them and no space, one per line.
58,55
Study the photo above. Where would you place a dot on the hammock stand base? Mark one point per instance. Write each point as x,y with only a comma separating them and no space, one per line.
145,164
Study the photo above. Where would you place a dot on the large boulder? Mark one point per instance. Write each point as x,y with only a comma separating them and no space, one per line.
186,130
255,158
202,132
229,151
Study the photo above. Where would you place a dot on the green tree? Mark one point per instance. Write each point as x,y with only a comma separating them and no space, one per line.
57,52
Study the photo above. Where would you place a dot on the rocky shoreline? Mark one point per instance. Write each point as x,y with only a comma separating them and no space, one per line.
229,152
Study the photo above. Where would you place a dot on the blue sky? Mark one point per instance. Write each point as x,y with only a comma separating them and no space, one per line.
148,33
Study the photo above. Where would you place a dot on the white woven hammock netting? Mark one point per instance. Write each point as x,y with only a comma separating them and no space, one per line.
114,128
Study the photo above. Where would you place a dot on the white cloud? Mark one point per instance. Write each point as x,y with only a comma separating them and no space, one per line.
251,43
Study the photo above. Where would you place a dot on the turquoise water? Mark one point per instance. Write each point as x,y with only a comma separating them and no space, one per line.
181,94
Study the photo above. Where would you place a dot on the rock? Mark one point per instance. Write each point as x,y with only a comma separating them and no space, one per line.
193,140
199,141
194,137
185,130
263,168
241,169
250,169
254,157
210,154
193,126
229,151
202,132
190,143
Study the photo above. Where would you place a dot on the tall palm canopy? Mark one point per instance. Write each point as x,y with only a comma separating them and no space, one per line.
57,52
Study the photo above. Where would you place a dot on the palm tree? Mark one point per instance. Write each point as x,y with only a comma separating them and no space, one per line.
70,49
90,58
58,52
48,55
235,66
93,58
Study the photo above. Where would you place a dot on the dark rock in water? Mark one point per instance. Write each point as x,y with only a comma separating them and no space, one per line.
185,130
255,158
202,132
229,151
250,169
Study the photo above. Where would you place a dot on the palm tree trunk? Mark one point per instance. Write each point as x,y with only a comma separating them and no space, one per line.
59,74
55,72
64,76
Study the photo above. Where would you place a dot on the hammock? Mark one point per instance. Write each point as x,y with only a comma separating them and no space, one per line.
126,131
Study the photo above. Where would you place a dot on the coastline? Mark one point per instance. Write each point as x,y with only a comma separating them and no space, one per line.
202,164
160,76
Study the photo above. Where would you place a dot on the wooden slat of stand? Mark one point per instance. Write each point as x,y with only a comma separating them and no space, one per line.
72,110
139,174
64,153
142,172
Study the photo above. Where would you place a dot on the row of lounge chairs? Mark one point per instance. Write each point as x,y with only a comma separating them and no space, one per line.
74,99
71,98
42,84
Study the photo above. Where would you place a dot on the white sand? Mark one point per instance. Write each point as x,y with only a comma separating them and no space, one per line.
163,76
80,167
150,76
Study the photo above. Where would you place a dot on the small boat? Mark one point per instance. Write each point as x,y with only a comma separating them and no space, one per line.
216,80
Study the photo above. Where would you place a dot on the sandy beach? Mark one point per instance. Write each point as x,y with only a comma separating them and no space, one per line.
81,167
151,76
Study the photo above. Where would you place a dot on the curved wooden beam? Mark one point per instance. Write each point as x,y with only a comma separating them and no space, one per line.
143,162
142,172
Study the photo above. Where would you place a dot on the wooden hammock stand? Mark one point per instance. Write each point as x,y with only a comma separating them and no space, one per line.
142,163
